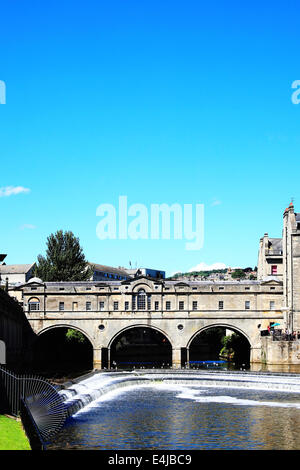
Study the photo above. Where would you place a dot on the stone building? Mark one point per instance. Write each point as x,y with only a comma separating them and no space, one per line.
16,273
106,273
179,310
16,335
270,257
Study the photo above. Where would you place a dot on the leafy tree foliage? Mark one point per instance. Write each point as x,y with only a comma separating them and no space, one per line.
64,261
75,336
238,274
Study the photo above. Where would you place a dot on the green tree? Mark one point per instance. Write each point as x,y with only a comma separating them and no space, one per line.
75,336
238,274
64,261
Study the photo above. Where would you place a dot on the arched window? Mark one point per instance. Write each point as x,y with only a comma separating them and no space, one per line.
33,304
141,299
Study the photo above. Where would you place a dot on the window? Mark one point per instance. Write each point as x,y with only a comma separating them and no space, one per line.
133,302
156,305
61,306
195,305
33,305
221,288
221,305
272,305
141,300
75,306
168,305
247,305
149,302
116,305
274,269
126,306
88,306
181,305
101,306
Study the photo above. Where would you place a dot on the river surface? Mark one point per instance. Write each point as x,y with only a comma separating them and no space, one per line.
173,416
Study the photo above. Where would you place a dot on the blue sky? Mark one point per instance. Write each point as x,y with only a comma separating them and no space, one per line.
164,102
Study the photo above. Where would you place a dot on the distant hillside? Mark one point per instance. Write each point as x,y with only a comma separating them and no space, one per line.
199,273
218,274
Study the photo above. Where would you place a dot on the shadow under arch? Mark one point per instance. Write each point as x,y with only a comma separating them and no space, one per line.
62,350
66,325
206,345
140,346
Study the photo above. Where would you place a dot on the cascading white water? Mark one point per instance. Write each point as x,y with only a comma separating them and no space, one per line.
80,394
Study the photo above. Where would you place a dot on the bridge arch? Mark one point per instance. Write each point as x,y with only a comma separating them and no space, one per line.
227,326
139,325
59,350
213,342
68,326
140,345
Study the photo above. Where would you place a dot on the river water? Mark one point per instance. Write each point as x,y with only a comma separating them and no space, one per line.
174,416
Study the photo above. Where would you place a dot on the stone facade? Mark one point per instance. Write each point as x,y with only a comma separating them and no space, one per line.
270,258
16,273
178,310
16,336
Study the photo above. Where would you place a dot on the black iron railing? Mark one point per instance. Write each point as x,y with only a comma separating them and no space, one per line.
45,405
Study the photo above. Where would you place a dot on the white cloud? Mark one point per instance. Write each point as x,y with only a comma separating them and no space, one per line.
10,190
27,226
207,267
216,202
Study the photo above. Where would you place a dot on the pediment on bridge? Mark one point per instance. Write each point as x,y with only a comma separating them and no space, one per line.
33,282
271,281
140,281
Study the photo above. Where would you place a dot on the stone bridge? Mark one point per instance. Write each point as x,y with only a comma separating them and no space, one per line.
180,311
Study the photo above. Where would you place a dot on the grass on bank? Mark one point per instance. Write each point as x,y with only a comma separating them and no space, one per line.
12,435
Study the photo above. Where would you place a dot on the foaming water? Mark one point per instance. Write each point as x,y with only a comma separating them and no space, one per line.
175,416
190,394
83,394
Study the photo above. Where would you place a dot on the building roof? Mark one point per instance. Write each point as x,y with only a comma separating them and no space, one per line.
15,268
109,269
276,243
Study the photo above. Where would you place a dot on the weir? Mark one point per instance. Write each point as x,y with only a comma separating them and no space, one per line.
79,393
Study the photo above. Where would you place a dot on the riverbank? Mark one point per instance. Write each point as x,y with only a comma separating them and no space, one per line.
12,435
